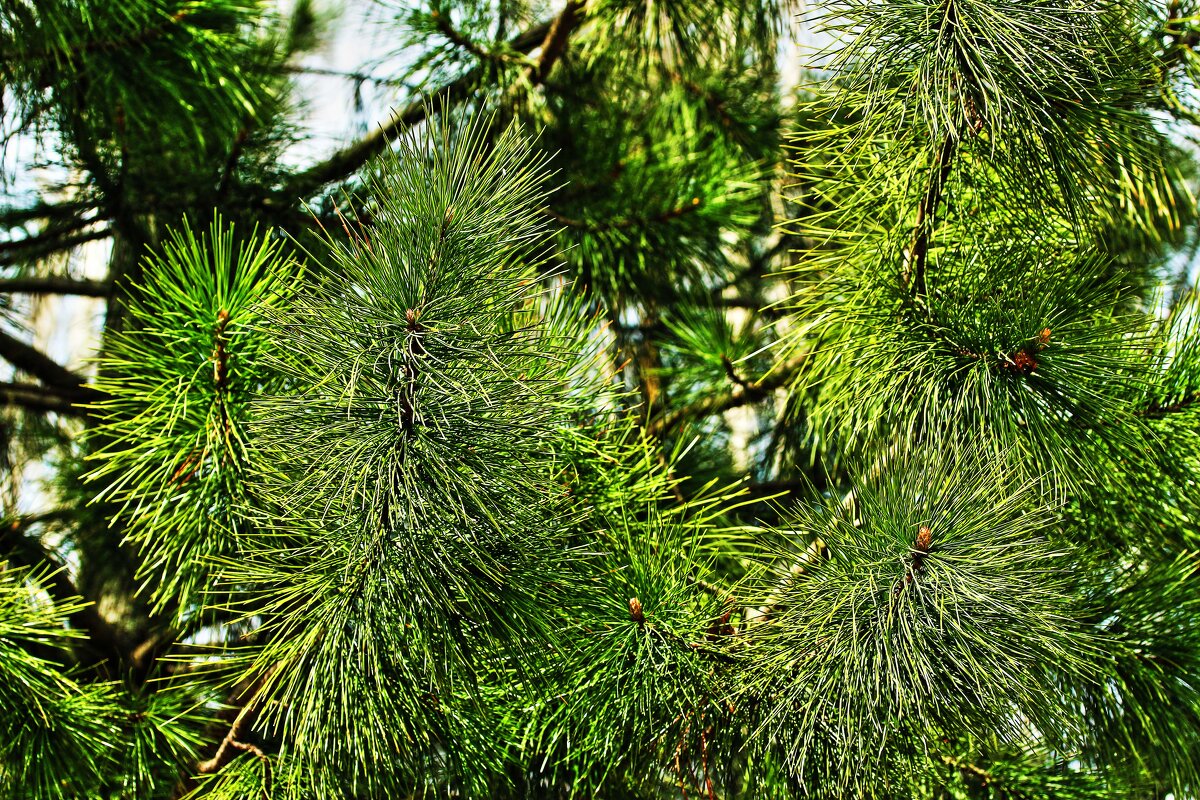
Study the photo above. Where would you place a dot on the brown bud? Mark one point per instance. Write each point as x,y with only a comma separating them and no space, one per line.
924,538
1043,339
1023,362
721,626
635,611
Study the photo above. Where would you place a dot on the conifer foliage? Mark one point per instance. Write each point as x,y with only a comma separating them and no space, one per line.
624,417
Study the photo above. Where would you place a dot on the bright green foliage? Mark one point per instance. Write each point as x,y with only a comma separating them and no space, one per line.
1027,348
198,360
642,647
408,468
636,416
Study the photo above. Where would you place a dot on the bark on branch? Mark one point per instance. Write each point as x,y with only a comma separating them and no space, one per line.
912,276
348,160
37,247
28,358
740,395
555,43
54,284
32,397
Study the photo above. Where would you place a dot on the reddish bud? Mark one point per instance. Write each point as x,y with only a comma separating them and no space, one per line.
635,611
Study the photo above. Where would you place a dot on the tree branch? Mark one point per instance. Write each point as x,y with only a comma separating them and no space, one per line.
1160,410
225,750
233,739
347,161
624,223
105,640
743,394
28,358
555,43
54,284
13,217
456,38
33,397
912,275
44,244
358,77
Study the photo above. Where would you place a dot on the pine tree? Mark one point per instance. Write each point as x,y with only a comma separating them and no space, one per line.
622,417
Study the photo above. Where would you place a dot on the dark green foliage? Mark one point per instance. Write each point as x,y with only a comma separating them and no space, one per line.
939,578
59,734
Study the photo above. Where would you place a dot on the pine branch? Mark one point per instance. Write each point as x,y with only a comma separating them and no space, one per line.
105,641
741,395
967,767
65,214
458,39
348,160
33,397
232,741
231,162
42,245
29,359
55,284
624,223
913,273
1159,410
555,43
350,75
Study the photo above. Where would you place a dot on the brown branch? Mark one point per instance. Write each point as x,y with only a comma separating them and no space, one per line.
623,223
966,766
36,247
66,213
731,372
232,742
555,43
457,38
241,723
231,162
708,783
359,77
32,397
913,272
1159,410
780,486
28,358
54,284
348,160
742,395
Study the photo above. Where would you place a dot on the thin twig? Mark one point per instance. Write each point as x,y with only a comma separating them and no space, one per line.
751,392
33,397
912,275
